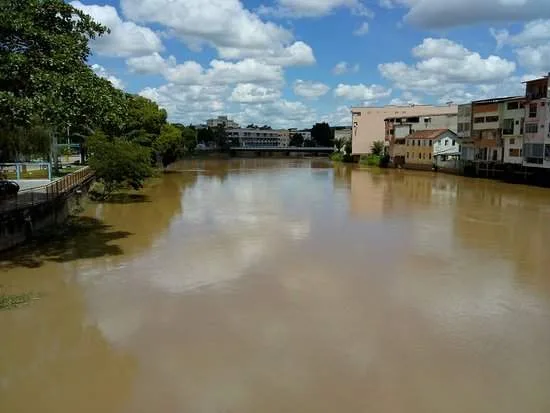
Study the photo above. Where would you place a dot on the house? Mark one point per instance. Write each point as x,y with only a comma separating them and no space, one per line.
419,147
536,141
447,150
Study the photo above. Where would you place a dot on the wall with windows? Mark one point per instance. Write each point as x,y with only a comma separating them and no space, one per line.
419,151
536,148
446,146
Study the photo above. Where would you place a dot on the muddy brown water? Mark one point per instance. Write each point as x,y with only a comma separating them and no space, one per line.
287,286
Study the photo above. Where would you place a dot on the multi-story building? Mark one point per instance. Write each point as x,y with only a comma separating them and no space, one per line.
398,128
464,132
284,134
536,138
497,129
419,146
256,137
368,122
223,121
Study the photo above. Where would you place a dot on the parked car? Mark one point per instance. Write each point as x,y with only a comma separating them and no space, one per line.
8,188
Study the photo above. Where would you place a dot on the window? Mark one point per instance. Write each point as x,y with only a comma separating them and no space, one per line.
407,155
454,142
489,119
446,142
427,120
413,141
533,110
479,120
542,104
512,141
408,142
532,128
513,153
419,142
522,123
512,106
508,127
534,152
429,156
547,152
431,143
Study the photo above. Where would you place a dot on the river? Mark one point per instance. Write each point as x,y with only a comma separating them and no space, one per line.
270,286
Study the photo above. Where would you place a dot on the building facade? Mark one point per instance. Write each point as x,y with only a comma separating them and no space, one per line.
368,122
536,145
256,137
398,128
222,121
447,150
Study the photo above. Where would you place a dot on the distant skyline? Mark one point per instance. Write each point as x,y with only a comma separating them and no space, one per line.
291,63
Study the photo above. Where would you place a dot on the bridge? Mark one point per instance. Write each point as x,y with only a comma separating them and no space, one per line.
283,149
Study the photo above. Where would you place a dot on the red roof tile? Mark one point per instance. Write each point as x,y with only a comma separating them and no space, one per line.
427,134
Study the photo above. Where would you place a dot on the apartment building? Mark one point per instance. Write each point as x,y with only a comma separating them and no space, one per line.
398,128
256,137
368,123
223,121
284,134
536,145
497,129
464,132
417,149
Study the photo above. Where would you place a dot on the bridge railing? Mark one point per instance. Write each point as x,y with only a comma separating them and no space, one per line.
46,193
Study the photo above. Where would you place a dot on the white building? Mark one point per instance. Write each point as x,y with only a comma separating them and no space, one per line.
446,148
265,138
223,121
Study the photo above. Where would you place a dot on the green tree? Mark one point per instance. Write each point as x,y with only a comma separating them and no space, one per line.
43,71
309,143
119,163
144,120
297,140
322,134
348,149
169,145
377,148
205,136
339,144
189,140
220,138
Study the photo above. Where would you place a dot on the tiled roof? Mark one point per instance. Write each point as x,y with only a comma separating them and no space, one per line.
427,134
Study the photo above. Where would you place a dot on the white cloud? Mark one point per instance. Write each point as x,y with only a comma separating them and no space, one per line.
310,90
314,8
279,114
531,45
406,98
297,54
536,59
339,117
446,66
344,67
362,30
536,32
126,38
220,23
450,13
362,92
188,103
250,93
102,72
219,73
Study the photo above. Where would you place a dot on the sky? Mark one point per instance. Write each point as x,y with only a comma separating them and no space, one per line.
292,63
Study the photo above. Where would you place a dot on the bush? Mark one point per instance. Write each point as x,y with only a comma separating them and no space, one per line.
97,191
370,160
337,157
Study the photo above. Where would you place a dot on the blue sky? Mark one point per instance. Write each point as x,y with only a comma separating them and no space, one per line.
291,63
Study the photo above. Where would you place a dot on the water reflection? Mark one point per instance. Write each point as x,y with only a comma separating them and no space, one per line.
285,285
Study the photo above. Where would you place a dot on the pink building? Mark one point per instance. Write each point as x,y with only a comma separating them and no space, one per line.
368,123
536,138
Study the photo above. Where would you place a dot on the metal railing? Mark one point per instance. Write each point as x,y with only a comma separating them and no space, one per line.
47,193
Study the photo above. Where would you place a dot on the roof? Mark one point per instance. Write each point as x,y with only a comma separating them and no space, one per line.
450,104
538,80
421,116
498,100
428,134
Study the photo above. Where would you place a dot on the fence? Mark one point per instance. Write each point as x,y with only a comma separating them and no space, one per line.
47,193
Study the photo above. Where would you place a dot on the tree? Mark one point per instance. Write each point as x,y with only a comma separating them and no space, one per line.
169,145
220,138
252,126
206,136
377,148
265,127
339,144
43,71
322,134
119,163
144,120
348,149
296,140
309,143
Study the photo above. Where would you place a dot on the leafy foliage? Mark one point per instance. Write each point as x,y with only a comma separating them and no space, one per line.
377,148
119,163
322,134
297,140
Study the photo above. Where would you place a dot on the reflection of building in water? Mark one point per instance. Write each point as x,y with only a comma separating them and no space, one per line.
506,223
367,194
